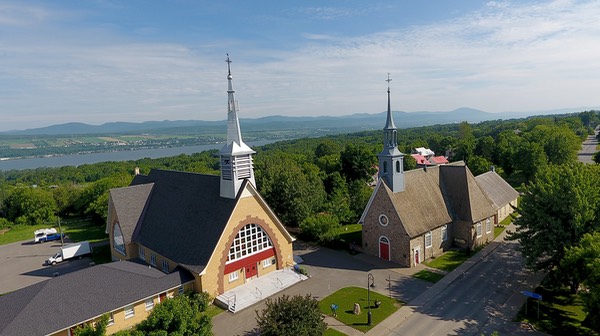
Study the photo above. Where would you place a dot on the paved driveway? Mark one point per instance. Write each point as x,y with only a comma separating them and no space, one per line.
330,270
22,264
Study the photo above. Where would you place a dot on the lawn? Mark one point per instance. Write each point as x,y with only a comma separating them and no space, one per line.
76,229
561,313
213,310
498,230
333,332
345,299
449,260
351,233
428,276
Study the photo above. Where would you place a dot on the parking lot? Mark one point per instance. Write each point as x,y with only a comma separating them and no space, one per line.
22,264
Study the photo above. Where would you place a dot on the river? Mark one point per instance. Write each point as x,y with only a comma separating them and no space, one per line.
79,159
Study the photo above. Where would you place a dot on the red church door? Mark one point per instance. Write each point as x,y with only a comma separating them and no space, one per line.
384,248
251,271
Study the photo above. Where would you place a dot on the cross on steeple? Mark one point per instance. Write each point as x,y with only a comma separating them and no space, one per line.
388,80
228,65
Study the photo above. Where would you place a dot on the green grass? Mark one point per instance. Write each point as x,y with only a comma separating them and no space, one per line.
449,260
345,299
80,229
19,233
333,332
428,276
351,233
498,230
561,313
76,229
213,310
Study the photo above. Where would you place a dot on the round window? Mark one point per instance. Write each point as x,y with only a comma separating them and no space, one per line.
383,220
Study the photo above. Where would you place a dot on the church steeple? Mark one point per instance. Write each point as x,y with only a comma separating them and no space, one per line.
391,160
236,156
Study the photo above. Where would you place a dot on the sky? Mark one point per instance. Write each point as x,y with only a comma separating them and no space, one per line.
98,61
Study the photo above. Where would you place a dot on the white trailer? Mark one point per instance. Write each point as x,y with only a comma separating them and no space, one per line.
41,234
70,251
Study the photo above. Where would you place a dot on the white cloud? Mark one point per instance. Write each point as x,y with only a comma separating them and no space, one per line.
506,56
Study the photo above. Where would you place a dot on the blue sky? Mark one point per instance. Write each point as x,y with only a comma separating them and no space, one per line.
102,61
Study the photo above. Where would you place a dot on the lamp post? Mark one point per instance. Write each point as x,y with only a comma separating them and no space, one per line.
370,283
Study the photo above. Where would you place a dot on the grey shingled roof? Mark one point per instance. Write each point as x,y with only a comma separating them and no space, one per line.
437,196
184,216
67,300
129,204
467,202
421,205
496,188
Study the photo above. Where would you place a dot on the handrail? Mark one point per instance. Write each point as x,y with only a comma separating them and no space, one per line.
259,291
280,283
229,305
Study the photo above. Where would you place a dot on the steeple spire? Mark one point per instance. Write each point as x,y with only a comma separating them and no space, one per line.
236,156
389,124
391,160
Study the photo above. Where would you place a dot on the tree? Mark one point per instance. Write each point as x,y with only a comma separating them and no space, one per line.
409,162
322,227
94,198
292,190
295,316
486,146
357,163
583,263
98,328
529,158
177,316
597,157
555,211
479,165
30,206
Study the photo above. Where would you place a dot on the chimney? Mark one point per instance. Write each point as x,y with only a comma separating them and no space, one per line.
492,168
137,170
425,168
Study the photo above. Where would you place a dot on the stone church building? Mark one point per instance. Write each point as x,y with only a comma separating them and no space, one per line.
415,215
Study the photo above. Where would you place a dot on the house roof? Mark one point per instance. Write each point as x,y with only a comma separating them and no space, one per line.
439,159
496,188
184,216
421,160
436,196
67,300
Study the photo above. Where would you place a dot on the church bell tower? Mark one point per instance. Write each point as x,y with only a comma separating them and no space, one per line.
391,160
236,156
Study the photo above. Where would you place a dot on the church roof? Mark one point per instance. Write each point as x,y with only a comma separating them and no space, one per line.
496,188
184,216
421,205
129,203
67,300
438,195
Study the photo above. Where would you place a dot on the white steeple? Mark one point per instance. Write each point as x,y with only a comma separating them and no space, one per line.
391,160
236,156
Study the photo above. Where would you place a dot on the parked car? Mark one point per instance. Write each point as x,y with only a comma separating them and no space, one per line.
44,235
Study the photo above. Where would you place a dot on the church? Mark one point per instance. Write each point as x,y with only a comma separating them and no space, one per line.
416,215
218,228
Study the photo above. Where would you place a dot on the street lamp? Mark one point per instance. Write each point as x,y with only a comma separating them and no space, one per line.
370,283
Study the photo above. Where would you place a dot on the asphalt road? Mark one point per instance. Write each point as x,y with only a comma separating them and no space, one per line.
482,300
588,149
22,264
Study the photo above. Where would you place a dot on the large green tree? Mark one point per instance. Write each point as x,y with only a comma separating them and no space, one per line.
583,263
30,206
295,316
179,316
358,162
556,210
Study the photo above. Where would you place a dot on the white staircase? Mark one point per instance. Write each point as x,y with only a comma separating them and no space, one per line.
258,289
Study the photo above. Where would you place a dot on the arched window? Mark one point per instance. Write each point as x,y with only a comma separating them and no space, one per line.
384,167
251,239
397,166
384,240
118,241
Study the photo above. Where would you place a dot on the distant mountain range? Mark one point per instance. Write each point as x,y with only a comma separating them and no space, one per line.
354,122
